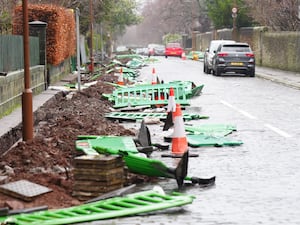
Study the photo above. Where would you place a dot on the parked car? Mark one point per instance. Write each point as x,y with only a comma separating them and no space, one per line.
152,47
159,50
209,53
173,49
235,57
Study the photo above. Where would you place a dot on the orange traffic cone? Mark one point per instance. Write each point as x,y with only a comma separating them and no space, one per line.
179,140
120,78
154,77
171,101
183,57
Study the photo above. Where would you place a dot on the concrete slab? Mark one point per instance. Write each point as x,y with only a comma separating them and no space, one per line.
24,189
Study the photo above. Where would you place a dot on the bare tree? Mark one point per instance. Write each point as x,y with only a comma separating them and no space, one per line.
172,16
6,11
280,15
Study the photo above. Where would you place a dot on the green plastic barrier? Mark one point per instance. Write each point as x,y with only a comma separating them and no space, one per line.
92,145
131,204
191,88
142,165
135,63
142,115
216,130
200,140
140,95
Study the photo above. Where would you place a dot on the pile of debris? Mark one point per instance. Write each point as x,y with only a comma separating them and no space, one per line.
48,159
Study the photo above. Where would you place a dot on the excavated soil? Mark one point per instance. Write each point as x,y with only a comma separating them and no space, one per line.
47,159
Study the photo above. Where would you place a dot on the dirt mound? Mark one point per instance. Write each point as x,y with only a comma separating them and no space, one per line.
47,159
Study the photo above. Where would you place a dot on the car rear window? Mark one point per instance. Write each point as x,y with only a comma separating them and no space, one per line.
214,46
235,48
173,45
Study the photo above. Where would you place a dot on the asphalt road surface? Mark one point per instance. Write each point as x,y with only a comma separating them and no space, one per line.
257,182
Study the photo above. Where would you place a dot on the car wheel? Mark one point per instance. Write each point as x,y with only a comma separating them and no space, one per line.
218,72
204,68
166,56
209,71
251,73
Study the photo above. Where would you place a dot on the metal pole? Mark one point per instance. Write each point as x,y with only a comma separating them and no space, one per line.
78,48
27,112
91,27
101,34
234,17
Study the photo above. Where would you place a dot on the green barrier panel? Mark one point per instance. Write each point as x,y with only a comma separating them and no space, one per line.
141,165
196,91
148,95
123,146
191,89
135,63
216,130
200,140
146,166
105,144
131,204
142,115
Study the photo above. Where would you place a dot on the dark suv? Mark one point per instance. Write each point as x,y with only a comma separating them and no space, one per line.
235,57
210,52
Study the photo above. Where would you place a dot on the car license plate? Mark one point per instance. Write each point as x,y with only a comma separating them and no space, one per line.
237,63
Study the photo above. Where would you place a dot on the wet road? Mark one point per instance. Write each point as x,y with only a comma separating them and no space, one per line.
257,182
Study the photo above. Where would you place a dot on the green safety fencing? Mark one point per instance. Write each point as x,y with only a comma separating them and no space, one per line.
201,140
93,145
137,163
131,204
140,95
135,63
215,130
141,115
191,89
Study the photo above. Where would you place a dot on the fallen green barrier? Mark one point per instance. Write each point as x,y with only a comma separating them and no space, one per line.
141,115
191,89
215,130
91,144
131,204
200,140
140,95
139,164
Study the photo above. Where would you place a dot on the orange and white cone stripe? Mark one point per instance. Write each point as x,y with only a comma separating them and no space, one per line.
154,77
171,101
120,78
179,140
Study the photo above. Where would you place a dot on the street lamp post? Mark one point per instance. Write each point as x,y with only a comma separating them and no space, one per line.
27,111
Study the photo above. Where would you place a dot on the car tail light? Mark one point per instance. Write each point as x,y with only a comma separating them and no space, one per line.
250,55
222,54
